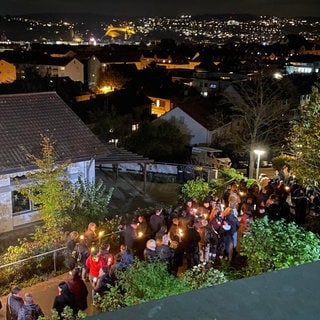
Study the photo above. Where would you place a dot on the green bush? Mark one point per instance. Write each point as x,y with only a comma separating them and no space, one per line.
274,245
90,202
112,299
203,275
143,281
146,281
194,189
231,174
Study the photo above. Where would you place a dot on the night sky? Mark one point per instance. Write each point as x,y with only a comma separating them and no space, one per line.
164,7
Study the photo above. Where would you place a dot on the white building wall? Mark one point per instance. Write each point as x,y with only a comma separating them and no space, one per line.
10,221
199,133
74,70
84,169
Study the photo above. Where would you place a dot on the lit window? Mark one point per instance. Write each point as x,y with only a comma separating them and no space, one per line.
135,127
158,103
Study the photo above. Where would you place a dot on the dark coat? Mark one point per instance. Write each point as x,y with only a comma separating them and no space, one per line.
14,308
33,311
79,289
63,300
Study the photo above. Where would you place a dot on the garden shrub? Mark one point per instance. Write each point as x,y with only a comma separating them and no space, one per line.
231,174
273,245
143,281
203,275
90,202
196,189
146,281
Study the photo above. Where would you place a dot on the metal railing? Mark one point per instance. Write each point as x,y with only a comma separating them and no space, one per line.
53,252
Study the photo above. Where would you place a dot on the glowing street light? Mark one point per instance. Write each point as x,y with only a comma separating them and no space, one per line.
258,153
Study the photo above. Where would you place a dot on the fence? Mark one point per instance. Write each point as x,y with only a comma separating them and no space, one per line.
53,252
168,172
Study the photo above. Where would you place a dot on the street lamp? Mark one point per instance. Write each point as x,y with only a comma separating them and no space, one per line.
258,153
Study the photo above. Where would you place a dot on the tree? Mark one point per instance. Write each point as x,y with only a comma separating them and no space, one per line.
304,139
263,104
162,140
108,77
49,189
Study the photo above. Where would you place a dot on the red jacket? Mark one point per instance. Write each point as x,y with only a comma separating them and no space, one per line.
94,263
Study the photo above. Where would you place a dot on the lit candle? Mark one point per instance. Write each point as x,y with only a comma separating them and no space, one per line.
140,234
100,234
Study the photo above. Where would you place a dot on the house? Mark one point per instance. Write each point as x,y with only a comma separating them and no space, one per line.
166,60
44,65
60,67
303,64
24,118
205,123
102,60
197,117
8,72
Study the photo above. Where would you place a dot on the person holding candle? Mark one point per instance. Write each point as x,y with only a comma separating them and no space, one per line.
90,235
143,234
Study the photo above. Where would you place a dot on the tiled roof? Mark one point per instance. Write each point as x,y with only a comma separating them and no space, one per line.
201,110
25,117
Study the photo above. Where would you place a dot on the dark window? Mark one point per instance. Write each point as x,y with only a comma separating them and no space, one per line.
20,202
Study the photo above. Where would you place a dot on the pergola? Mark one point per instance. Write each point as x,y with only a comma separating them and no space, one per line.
120,155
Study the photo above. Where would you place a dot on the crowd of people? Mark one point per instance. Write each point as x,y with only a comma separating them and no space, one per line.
192,233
